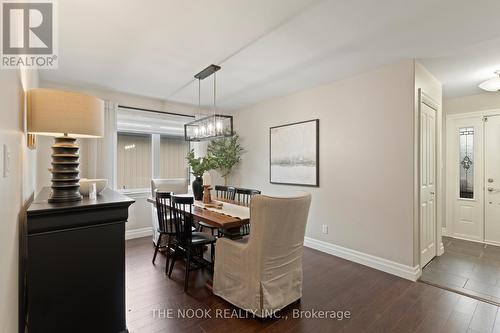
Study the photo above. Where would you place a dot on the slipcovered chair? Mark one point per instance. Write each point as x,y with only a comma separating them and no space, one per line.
175,185
263,272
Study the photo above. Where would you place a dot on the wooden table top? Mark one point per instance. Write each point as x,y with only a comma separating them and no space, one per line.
214,218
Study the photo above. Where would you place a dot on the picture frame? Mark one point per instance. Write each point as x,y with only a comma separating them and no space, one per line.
294,154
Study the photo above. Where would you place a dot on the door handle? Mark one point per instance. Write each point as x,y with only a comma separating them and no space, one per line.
432,193
491,189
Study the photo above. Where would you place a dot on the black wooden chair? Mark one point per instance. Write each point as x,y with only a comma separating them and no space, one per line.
243,197
166,226
189,244
223,192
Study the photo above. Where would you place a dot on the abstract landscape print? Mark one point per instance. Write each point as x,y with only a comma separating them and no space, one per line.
294,153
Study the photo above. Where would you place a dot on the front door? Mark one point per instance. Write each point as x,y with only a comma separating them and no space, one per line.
427,184
492,179
465,218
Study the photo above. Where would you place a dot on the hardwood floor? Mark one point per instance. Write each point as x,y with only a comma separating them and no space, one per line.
378,302
467,267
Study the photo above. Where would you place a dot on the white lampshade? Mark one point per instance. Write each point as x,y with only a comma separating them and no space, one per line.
55,112
491,84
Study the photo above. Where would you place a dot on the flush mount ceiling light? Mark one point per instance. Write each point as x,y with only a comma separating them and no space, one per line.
213,125
492,84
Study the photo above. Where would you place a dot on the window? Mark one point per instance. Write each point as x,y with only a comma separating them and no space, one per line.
134,161
466,136
150,145
173,163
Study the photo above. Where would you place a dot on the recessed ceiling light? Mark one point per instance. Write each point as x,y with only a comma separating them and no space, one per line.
491,84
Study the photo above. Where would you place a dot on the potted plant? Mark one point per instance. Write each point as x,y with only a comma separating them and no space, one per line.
198,167
225,154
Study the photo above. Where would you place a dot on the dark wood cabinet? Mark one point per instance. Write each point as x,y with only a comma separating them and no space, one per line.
75,264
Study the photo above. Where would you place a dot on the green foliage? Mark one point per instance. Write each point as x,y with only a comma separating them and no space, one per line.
225,153
199,165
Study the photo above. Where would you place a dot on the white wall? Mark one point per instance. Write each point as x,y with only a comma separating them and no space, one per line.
473,103
366,158
16,190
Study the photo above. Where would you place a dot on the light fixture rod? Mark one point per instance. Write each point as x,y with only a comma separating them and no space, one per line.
215,91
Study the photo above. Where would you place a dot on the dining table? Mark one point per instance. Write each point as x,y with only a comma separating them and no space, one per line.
230,217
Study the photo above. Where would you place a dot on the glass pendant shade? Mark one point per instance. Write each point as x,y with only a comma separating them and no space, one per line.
491,84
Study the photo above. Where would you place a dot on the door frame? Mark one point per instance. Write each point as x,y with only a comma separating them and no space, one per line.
424,98
448,230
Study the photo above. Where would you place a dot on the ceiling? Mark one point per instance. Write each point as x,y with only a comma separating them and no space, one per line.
269,48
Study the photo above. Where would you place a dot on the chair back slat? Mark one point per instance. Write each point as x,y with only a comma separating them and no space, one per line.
164,211
225,192
182,216
244,195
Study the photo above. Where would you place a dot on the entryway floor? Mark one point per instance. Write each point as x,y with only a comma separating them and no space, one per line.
468,268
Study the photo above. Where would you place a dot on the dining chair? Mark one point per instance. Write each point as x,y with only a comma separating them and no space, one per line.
262,273
189,244
223,192
243,197
165,226
174,185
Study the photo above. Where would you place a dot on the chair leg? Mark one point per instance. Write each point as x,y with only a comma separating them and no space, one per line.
176,253
169,245
188,265
212,252
156,248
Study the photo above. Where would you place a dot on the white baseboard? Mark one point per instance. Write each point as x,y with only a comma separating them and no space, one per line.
487,242
465,237
138,233
391,267
495,243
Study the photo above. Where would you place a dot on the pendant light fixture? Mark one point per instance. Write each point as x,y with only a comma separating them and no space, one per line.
492,84
213,125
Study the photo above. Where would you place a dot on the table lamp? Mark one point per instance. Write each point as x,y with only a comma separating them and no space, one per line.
65,116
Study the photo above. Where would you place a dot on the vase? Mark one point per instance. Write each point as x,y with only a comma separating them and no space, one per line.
198,188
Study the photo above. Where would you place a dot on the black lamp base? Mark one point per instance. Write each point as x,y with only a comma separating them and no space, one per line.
65,172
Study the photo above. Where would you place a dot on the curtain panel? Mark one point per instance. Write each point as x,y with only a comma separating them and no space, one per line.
102,152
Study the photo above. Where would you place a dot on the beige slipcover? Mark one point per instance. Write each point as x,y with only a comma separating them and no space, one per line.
263,272
176,185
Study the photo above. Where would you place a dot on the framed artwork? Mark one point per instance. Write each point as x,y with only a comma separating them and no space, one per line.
294,153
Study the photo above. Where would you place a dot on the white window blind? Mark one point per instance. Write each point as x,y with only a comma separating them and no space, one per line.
173,163
150,145
134,161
